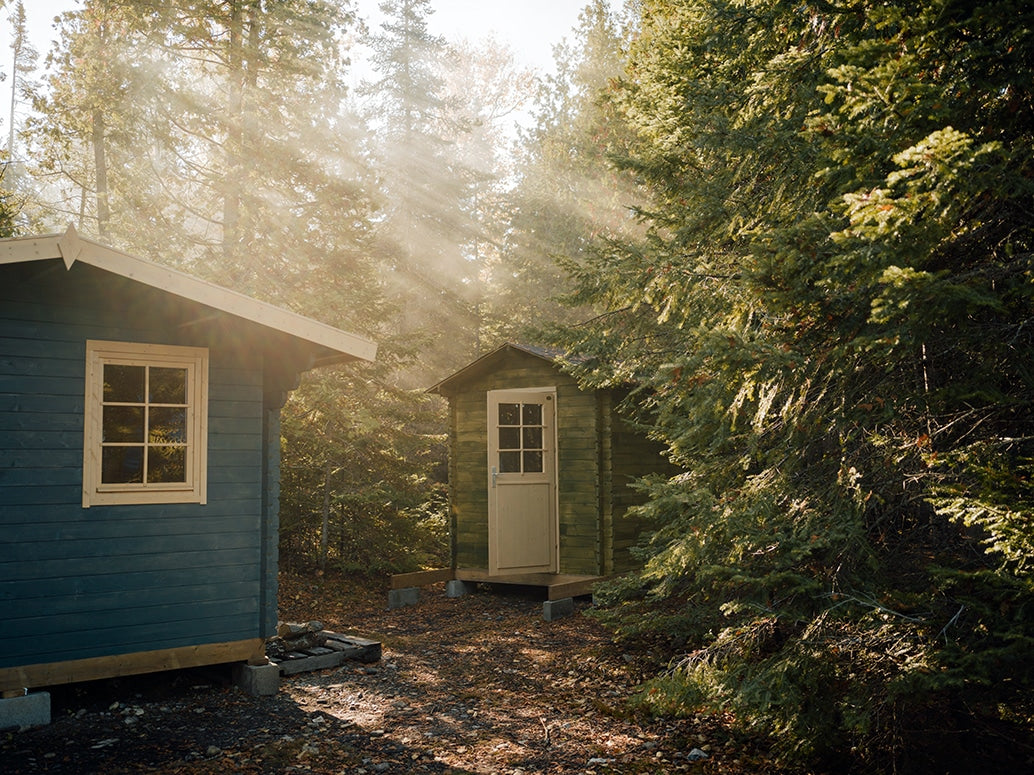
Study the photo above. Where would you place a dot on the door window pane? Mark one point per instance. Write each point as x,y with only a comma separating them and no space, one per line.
509,414
533,462
532,414
509,462
532,438
509,438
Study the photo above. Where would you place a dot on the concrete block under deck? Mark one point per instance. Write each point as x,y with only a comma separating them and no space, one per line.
555,609
457,588
28,710
397,598
257,680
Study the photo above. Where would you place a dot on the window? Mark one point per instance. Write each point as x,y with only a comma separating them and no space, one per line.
145,429
520,438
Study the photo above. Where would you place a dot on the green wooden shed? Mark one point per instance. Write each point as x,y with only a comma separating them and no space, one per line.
540,473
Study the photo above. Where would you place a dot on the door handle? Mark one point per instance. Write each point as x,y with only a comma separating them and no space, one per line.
495,474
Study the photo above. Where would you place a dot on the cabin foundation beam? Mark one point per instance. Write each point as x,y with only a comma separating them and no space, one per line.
557,585
28,710
421,578
98,668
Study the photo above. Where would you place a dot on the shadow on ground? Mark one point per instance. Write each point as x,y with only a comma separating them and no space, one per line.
194,721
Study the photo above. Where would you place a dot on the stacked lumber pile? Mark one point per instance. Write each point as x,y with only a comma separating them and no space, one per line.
300,648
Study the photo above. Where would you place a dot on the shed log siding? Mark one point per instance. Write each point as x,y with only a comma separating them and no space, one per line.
576,463
634,456
599,455
122,579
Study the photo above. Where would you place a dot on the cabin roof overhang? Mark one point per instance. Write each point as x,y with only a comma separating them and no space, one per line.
488,362
328,344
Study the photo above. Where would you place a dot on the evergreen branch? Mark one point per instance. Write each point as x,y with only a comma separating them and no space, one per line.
604,316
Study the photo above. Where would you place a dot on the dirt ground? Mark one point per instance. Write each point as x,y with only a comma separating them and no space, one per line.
479,684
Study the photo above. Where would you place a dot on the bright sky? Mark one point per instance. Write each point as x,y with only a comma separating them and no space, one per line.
530,27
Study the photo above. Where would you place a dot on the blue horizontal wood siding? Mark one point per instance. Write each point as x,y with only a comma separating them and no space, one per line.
78,583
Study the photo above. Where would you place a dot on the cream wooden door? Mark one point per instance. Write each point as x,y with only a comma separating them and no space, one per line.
522,508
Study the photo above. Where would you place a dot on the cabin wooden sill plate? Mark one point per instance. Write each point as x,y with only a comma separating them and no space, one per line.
251,651
557,585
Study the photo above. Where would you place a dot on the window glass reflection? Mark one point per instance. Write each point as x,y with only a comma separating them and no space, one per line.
123,384
509,462
167,464
509,414
122,465
123,424
532,414
168,386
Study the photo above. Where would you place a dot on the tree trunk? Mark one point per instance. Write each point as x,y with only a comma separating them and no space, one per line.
325,527
100,163
231,189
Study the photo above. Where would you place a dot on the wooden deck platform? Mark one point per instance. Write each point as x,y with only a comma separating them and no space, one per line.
557,585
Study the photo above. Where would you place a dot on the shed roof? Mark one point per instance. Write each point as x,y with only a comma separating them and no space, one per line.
332,344
488,362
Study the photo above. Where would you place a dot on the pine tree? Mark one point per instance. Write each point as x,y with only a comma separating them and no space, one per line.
484,88
568,194
828,321
77,121
426,189
221,125
23,64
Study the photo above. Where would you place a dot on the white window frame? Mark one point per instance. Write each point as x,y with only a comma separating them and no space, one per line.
195,361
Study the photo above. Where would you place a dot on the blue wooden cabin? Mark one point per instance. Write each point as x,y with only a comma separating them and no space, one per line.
139,462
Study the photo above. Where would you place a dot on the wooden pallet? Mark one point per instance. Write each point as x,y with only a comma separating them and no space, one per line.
338,650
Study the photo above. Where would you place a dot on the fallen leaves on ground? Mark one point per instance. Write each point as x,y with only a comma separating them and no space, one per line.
478,684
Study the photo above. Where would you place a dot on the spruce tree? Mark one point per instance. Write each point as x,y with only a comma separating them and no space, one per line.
567,193
425,187
828,323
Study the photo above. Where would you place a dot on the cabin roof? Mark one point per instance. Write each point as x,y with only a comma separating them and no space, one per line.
332,344
488,361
